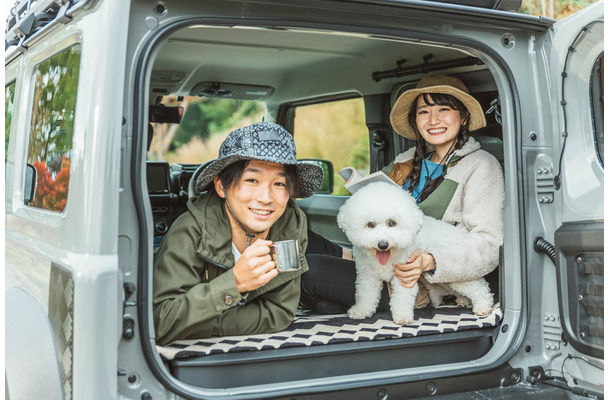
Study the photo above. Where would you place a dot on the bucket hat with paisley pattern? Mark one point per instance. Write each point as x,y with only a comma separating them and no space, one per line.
263,141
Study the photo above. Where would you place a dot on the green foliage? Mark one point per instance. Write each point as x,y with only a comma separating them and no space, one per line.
52,125
9,98
206,117
324,187
335,131
557,9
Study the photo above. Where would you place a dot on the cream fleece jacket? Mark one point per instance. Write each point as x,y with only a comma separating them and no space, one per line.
478,206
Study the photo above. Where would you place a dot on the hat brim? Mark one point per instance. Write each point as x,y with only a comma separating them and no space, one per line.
309,175
399,116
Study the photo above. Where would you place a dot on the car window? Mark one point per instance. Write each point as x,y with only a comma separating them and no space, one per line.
597,105
55,83
9,99
205,123
335,131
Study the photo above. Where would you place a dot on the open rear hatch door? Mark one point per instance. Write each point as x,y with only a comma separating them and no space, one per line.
577,74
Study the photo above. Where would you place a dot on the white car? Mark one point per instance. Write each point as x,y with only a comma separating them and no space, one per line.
91,189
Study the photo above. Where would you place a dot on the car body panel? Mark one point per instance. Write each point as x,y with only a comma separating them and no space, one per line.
100,247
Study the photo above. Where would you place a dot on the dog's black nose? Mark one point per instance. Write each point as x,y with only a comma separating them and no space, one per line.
382,245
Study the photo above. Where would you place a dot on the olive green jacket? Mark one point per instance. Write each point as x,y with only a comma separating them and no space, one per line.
194,290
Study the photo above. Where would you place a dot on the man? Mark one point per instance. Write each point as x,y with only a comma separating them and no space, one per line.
213,275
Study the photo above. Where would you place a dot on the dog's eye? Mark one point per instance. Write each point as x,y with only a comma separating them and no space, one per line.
391,223
370,225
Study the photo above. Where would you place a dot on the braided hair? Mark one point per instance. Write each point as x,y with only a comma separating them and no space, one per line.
439,99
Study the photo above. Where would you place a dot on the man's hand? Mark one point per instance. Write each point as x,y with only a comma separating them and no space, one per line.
255,267
408,274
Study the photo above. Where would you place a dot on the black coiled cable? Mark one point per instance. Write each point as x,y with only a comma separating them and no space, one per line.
542,246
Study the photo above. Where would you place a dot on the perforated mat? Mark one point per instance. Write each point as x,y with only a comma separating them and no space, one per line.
315,330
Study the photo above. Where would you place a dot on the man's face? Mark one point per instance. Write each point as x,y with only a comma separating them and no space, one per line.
259,197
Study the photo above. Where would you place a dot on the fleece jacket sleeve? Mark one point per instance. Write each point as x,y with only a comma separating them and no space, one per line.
479,207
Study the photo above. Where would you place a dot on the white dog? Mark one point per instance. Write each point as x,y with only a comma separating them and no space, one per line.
386,226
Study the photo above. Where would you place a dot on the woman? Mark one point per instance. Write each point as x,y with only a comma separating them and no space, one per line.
451,178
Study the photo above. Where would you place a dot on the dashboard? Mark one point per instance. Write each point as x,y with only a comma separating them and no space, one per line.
168,192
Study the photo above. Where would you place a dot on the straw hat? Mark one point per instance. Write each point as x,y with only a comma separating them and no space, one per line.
399,117
263,141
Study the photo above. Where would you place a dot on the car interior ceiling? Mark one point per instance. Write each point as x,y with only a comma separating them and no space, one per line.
303,65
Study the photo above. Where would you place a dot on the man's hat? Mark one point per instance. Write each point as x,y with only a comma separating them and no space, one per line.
264,141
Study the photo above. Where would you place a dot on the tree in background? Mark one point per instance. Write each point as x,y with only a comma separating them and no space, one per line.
556,9
335,131
9,97
52,127
203,120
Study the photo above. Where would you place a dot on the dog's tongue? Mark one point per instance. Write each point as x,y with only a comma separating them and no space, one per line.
383,256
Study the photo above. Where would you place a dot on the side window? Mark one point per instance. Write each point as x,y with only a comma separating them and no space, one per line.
335,131
50,147
202,124
9,98
597,105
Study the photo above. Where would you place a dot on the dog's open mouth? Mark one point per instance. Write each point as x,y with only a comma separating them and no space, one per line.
383,256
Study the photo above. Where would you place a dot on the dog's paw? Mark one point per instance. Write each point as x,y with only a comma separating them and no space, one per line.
481,310
482,307
402,318
436,299
462,301
359,312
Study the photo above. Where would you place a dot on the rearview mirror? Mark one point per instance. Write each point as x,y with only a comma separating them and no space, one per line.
327,181
29,189
165,115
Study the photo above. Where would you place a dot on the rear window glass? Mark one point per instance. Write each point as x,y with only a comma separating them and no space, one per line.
52,127
9,98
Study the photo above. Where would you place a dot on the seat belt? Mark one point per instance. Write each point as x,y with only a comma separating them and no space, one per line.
377,152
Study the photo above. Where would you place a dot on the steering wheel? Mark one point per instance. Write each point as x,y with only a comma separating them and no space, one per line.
192,192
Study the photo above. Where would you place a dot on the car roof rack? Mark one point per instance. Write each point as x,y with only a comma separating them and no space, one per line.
28,17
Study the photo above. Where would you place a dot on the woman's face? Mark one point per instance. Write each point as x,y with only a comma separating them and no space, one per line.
437,124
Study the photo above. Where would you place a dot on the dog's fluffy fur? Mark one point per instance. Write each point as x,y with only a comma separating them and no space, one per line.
386,226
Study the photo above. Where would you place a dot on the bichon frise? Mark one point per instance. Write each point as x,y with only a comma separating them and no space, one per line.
386,226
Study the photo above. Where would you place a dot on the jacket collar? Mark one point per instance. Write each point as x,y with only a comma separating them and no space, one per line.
470,146
211,216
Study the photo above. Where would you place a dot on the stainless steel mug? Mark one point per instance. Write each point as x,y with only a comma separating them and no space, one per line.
285,253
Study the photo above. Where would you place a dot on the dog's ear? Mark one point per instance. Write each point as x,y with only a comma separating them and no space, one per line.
342,218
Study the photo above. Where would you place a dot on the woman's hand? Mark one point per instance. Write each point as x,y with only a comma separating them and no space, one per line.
255,267
408,274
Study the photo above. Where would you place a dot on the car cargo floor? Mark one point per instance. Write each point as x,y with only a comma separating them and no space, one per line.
310,329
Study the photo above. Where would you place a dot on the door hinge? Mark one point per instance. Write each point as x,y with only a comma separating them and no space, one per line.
544,184
128,322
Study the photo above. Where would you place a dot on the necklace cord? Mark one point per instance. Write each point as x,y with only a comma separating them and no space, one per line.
428,174
249,236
